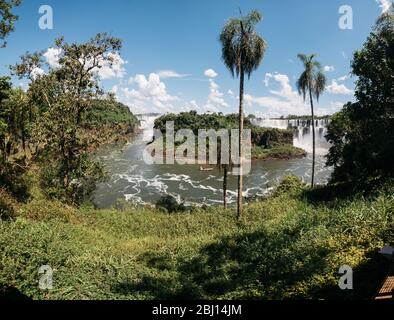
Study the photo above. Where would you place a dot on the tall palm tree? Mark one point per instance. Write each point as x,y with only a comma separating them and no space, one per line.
242,52
313,82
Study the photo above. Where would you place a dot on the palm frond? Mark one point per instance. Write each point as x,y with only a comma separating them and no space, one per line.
312,78
241,45
319,85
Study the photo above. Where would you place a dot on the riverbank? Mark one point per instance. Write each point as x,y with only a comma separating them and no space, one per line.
289,246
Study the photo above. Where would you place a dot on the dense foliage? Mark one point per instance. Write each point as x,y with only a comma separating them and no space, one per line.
362,134
7,19
63,115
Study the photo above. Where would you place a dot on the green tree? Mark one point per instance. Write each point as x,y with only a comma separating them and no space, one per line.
242,52
7,19
313,82
63,97
362,133
5,87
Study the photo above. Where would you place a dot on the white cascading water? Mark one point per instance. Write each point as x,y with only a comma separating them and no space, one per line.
302,132
147,124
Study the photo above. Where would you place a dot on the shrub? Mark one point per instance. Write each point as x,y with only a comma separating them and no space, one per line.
290,184
46,210
169,204
7,206
82,181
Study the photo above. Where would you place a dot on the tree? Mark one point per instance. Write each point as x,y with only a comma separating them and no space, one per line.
7,19
242,52
5,87
362,133
313,82
62,98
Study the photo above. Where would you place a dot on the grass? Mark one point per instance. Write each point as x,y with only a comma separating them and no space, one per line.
287,247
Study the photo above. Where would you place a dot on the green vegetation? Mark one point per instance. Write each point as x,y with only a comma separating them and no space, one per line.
362,134
64,116
264,140
289,246
282,152
7,19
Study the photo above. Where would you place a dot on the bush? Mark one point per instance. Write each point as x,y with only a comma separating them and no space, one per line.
46,210
7,206
169,204
13,178
82,181
290,184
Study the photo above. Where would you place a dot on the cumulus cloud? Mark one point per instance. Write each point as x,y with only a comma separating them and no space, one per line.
36,72
52,57
210,73
146,94
215,98
384,5
284,100
344,78
335,88
164,74
112,68
328,68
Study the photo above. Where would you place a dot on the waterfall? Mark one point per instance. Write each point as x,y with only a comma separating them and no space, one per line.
147,124
302,129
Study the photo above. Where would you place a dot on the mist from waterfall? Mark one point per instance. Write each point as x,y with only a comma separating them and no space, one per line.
302,132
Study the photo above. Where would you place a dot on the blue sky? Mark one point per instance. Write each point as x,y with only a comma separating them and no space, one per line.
171,57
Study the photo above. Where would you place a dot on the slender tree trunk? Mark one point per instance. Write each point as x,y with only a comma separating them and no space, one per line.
314,139
241,131
225,176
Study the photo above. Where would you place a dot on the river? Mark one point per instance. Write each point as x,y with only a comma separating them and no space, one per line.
132,180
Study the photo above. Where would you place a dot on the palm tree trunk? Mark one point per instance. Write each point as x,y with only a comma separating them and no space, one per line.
241,131
225,175
314,139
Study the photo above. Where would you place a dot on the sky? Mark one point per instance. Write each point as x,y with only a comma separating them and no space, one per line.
171,57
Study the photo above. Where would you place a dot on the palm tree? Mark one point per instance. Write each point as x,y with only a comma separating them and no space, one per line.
242,52
311,81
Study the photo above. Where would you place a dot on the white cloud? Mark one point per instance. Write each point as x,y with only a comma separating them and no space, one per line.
36,72
215,98
111,67
384,5
52,57
344,78
210,73
164,74
329,68
267,78
336,88
231,94
147,94
189,106
284,100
